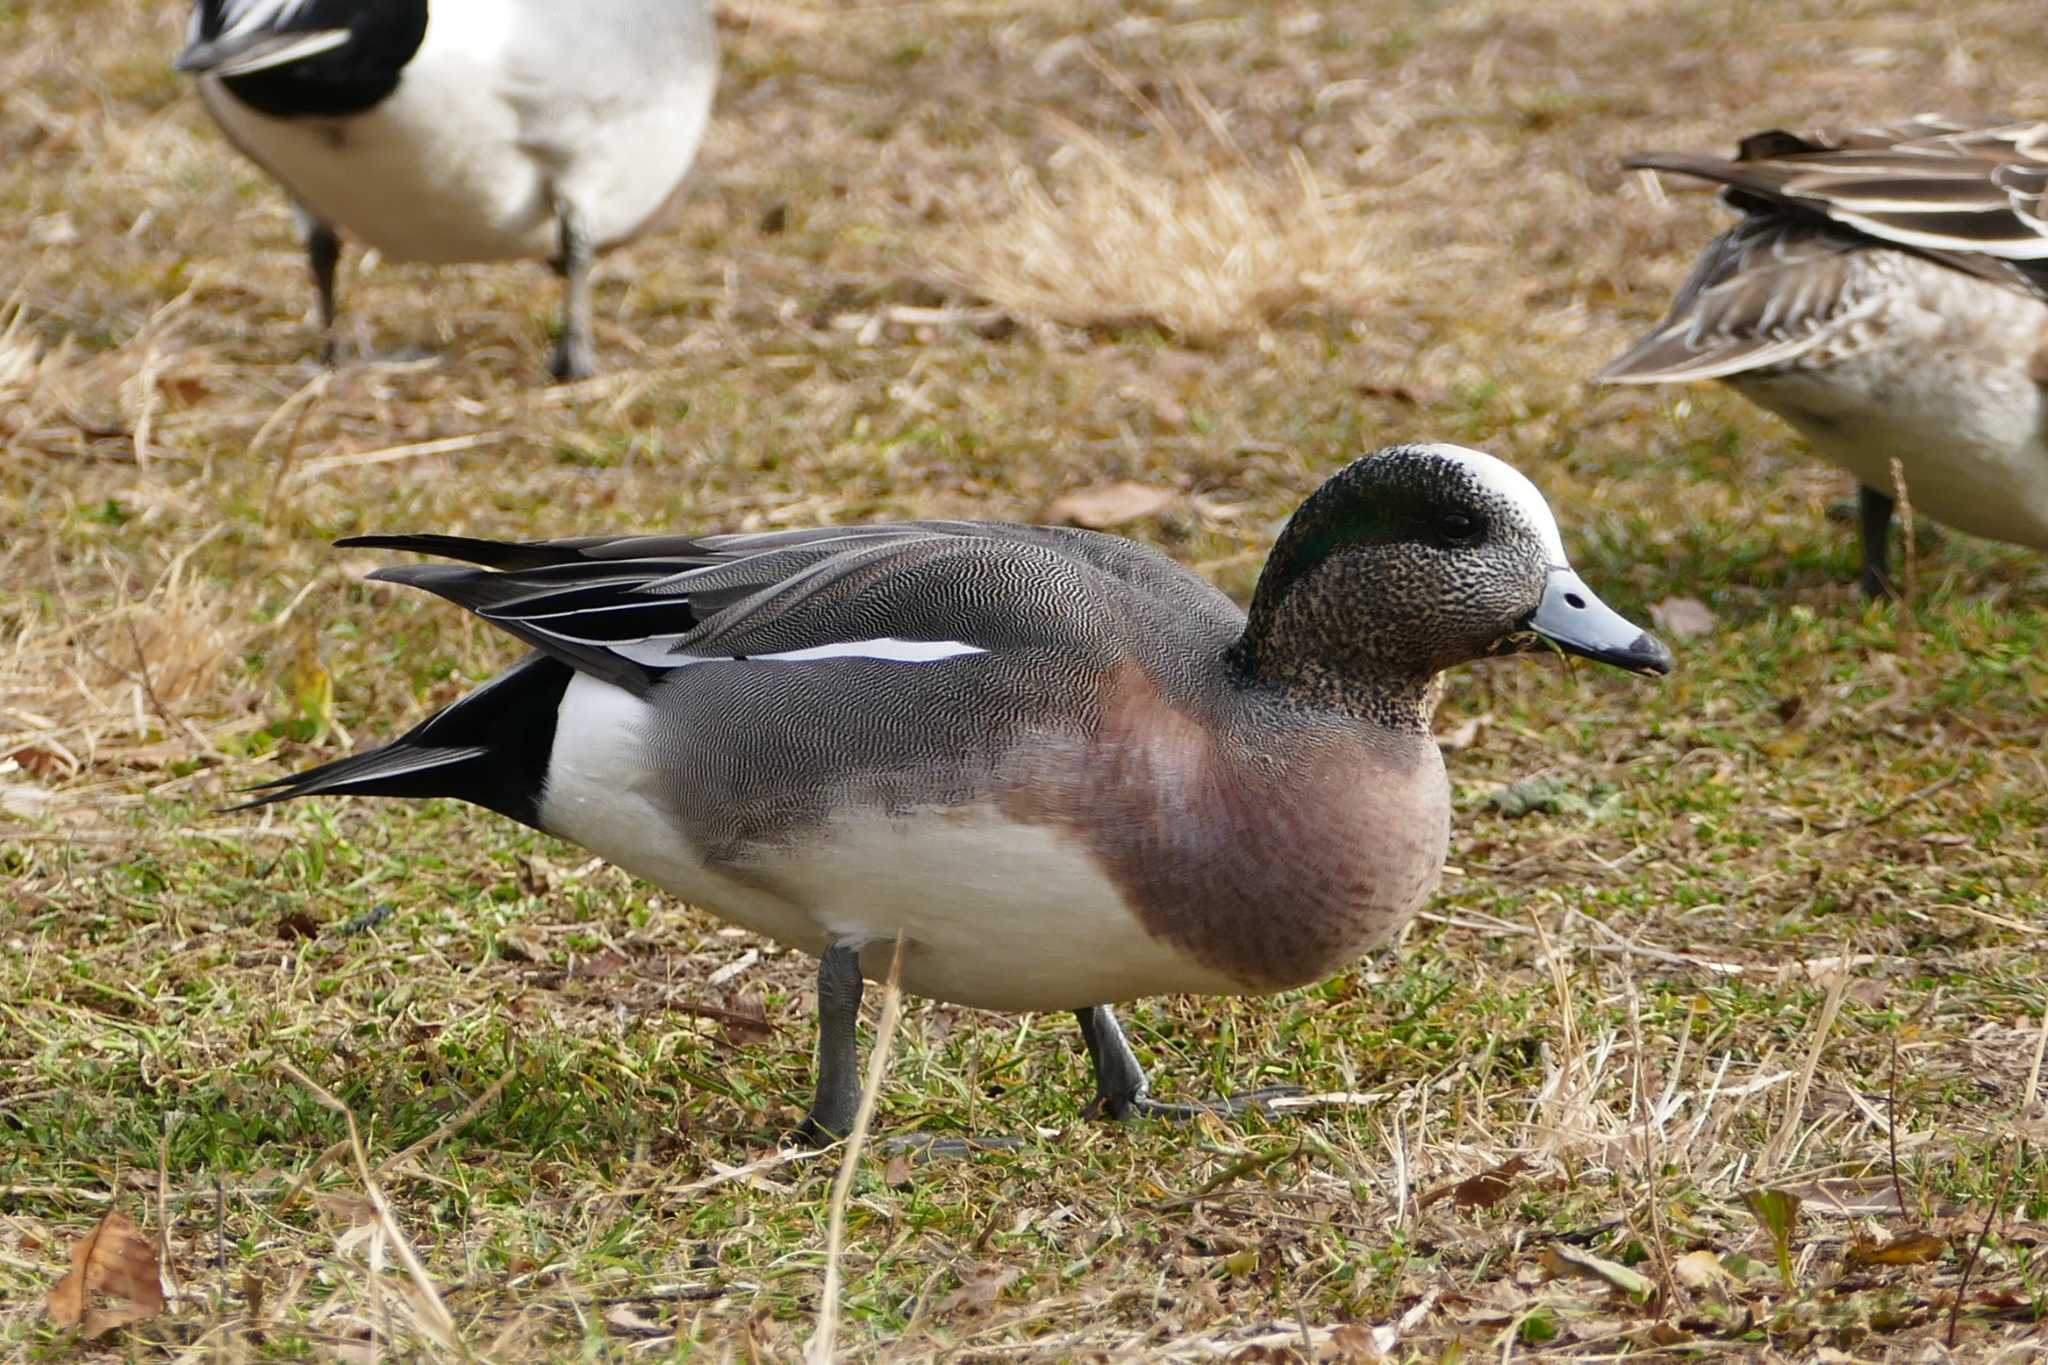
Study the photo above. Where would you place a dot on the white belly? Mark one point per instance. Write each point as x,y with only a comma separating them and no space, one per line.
466,159
994,914
1955,405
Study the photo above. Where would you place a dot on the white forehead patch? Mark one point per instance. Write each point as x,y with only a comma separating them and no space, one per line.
1499,477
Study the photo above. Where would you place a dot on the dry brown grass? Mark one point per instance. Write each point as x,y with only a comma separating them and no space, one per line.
962,258
1108,239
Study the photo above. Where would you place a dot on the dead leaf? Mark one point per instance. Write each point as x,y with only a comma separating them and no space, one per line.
183,389
1109,504
627,1320
1414,395
896,1174
42,762
297,925
1464,734
979,1289
745,1019
518,945
1913,1247
1701,1270
537,876
115,1261
1683,618
1481,1191
1561,1260
599,965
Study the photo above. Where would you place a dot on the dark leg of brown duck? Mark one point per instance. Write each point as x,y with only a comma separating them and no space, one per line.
575,354
1120,1085
323,254
1874,514
838,1093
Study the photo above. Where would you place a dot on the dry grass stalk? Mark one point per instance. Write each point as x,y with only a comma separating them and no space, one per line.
113,685
1105,239
430,1318
1783,1140
823,1346
1909,640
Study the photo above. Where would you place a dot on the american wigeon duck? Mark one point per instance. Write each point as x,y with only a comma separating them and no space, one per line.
1067,771
464,130
1883,293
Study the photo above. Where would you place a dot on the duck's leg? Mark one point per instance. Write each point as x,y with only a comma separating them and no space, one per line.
1120,1085
838,1093
575,354
323,256
1874,513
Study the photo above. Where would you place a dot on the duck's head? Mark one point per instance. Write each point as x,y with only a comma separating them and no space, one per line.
1414,559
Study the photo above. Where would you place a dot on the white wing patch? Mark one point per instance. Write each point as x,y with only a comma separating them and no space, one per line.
1502,478
888,647
654,651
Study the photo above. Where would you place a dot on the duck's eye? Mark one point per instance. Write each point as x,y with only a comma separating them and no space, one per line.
1459,528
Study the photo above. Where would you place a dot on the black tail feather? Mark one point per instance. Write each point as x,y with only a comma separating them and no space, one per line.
492,554
491,748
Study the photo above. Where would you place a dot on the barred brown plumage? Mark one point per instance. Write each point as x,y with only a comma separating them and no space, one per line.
1886,293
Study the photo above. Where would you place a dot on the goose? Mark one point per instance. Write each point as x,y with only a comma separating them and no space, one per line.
1886,293
464,130
1062,769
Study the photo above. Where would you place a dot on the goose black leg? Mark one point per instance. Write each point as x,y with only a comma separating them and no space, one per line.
575,355
323,254
1120,1084
838,1093
1874,511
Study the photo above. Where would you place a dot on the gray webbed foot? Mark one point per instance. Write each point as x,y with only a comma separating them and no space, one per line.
1121,1089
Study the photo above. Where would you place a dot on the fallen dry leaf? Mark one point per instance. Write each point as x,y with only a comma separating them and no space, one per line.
627,1320
745,1019
1463,735
537,876
297,925
114,1261
1561,1260
979,1289
1914,1247
1108,504
896,1174
1701,1270
1683,618
599,965
1481,1191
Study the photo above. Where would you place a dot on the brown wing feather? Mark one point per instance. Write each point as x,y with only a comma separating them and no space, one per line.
1766,292
1968,193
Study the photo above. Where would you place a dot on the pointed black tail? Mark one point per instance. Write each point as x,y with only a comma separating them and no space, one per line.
490,748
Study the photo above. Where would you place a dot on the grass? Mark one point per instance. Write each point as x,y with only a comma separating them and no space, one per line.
960,259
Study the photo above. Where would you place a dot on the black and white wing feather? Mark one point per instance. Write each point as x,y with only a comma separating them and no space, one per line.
241,37
633,610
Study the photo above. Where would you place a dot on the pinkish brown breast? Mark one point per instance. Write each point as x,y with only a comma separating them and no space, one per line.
1274,855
